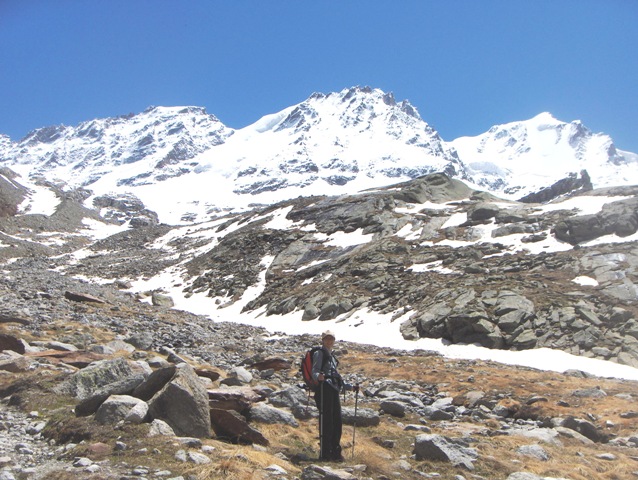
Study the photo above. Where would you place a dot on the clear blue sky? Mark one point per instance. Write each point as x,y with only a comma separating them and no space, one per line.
465,65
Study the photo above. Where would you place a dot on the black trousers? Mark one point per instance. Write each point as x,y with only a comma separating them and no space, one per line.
330,424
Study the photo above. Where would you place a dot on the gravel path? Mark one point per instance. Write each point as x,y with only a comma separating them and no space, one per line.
24,454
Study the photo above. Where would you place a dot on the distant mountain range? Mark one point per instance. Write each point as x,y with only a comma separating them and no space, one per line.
184,164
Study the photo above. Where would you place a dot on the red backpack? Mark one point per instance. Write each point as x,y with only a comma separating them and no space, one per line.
306,367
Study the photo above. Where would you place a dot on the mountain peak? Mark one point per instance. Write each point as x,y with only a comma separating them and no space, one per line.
545,117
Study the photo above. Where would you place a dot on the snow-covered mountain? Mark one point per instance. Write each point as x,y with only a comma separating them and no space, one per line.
125,151
521,157
185,164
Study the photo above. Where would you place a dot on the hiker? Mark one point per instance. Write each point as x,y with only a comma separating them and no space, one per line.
324,370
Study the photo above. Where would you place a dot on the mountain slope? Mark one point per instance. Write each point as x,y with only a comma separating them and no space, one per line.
409,265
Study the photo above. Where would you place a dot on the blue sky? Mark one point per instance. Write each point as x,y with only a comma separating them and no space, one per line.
465,65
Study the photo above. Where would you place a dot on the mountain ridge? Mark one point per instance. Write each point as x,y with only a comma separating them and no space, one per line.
333,143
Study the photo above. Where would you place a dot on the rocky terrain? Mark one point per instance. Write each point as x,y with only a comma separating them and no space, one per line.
445,260
448,262
100,380
98,385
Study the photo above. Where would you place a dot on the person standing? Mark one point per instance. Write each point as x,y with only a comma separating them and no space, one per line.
325,371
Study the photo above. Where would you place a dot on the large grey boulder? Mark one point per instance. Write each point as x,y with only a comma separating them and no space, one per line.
393,407
366,417
270,415
290,397
116,408
586,428
619,218
534,451
84,383
483,211
440,448
183,404
155,382
125,386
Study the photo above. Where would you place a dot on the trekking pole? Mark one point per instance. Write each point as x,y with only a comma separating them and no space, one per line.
308,402
321,421
354,427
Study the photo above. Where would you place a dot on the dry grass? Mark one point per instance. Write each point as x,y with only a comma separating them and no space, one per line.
295,448
239,463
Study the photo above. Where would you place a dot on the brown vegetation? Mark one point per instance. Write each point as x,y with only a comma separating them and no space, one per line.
295,448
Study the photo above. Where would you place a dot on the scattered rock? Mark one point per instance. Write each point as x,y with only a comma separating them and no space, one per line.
440,448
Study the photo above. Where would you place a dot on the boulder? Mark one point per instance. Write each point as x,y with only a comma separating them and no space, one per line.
237,376
84,383
207,372
567,185
125,386
116,408
141,340
619,218
161,300
271,415
236,399
482,211
13,319
595,392
290,397
11,361
534,451
9,342
274,363
547,435
77,359
366,417
585,428
436,414
160,427
231,425
247,394
440,448
64,347
154,383
183,404
508,301
469,399
138,413
394,408
120,346
82,297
